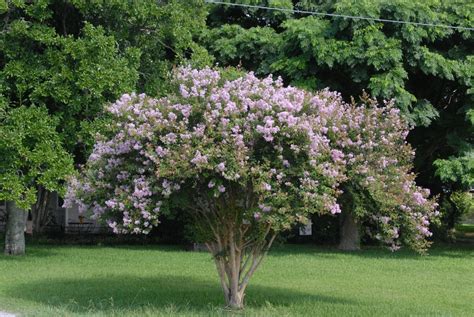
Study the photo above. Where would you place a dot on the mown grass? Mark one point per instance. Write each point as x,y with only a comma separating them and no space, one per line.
295,280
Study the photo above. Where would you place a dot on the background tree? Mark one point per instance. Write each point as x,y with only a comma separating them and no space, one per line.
163,31
71,57
428,70
31,156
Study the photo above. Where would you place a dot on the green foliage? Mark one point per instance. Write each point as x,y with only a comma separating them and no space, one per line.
72,75
3,6
31,155
457,169
452,209
163,31
247,16
464,201
233,45
72,57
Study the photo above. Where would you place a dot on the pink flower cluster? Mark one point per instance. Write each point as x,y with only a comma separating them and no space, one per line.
218,137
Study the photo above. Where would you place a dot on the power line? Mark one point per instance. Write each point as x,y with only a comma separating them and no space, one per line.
340,15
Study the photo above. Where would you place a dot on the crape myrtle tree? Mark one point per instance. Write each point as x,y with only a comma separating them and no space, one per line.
246,158
379,190
242,156
31,156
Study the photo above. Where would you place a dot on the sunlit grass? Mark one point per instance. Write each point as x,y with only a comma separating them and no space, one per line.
295,280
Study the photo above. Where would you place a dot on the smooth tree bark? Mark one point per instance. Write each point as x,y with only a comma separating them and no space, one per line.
237,260
237,246
15,230
349,232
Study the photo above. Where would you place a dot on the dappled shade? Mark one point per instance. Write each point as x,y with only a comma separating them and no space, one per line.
108,293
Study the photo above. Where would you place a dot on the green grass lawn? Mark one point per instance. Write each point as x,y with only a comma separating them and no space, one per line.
294,280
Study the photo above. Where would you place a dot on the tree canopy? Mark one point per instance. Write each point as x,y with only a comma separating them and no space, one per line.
31,155
74,56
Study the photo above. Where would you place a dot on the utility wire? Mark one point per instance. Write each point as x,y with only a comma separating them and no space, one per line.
340,15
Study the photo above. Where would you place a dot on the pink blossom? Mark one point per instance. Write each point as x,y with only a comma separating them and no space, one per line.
419,199
199,159
221,167
335,209
337,155
265,208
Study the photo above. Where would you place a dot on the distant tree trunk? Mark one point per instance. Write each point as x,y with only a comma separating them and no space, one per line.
15,230
40,212
349,232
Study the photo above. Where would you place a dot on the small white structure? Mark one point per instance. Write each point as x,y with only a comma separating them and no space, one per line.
307,229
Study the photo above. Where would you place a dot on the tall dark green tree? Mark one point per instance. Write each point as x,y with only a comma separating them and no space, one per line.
72,57
163,30
428,70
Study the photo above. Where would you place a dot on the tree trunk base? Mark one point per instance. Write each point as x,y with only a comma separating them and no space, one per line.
350,237
235,301
15,230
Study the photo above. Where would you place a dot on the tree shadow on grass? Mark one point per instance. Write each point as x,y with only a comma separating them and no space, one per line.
122,292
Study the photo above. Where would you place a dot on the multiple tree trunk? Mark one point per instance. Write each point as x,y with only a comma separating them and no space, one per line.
238,246
236,260
15,230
